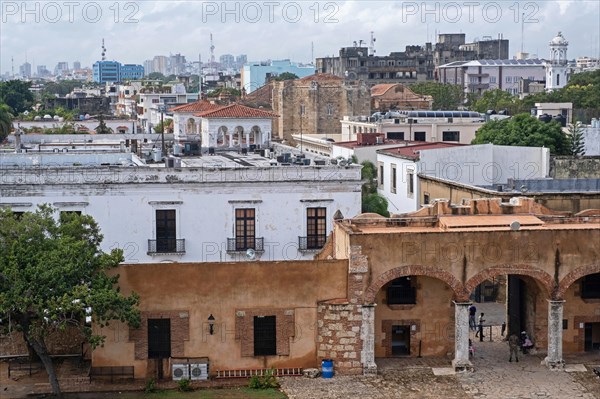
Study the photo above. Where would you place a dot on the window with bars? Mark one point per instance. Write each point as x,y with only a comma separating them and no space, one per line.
166,230
316,227
419,136
265,336
393,188
245,229
159,338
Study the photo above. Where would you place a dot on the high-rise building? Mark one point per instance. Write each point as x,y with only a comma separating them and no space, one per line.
77,65
176,64
161,64
61,67
113,71
42,71
25,70
148,67
227,61
240,60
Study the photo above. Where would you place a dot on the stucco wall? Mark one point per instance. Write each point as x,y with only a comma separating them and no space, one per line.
575,168
194,291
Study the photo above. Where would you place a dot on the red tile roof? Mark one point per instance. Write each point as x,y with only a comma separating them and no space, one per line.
412,151
381,89
236,111
198,106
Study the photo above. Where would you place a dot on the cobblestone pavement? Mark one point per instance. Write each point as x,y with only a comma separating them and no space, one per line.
494,377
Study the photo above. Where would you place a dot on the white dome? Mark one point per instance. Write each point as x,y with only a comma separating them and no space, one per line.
559,40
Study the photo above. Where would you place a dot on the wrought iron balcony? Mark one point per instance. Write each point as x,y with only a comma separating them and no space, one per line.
311,242
166,246
240,244
401,295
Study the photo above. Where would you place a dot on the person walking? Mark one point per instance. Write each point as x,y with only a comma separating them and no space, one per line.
472,314
513,344
480,325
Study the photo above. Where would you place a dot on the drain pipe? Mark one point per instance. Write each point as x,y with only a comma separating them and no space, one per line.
420,342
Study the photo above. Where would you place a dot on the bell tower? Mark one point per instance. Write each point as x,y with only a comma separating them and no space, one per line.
557,69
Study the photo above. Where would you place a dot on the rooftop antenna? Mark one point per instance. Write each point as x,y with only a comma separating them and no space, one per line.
12,67
199,76
372,45
103,51
212,52
312,53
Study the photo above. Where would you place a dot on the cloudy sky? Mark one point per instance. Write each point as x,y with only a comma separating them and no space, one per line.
70,30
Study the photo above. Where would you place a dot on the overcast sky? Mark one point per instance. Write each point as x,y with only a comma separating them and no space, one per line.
72,30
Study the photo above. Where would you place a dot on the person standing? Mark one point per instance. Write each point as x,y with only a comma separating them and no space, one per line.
513,344
472,314
480,325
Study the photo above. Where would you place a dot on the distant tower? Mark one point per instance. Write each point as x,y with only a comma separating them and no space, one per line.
103,51
372,44
557,69
212,52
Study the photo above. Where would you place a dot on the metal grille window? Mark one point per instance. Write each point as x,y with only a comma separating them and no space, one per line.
166,232
159,338
400,292
265,336
419,136
316,227
245,229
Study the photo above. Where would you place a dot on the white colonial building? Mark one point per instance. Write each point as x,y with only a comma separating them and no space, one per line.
226,207
484,165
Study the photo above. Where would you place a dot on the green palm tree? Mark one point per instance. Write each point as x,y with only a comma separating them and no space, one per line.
6,119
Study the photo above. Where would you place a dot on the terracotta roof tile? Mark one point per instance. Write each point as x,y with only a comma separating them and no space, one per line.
320,77
198,106
381,89
236,111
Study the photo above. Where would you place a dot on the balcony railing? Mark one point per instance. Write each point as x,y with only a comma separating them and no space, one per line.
311,242
240,244
401,295
166,246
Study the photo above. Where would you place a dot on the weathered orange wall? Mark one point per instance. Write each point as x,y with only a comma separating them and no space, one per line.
198,290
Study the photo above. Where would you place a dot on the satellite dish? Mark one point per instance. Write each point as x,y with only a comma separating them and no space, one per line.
515,226
250,254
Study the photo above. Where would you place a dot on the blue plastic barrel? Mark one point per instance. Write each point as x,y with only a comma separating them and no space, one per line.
327,368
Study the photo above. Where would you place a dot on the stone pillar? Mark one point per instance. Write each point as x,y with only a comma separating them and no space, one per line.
247,139
230,140
461,360
367,334
554,359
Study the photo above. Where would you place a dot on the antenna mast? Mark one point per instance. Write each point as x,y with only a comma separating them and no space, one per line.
312,53
12,67
103,51
212,52
199,76
372,45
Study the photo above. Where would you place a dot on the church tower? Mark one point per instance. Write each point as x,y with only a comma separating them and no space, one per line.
557,69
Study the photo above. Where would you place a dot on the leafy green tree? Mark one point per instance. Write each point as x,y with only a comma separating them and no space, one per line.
102,128
6,119
285,76
497,100
372,202
446,97
53,275
167,126
16,94
524,130
156,76
375,203
62,87
576,143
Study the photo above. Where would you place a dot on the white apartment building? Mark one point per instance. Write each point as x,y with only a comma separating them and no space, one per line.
477,76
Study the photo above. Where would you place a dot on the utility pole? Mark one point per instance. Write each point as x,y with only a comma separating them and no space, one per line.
162,124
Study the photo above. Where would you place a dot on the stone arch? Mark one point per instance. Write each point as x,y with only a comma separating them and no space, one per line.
254,135
415,270
238,136
575,275
222,135
523,270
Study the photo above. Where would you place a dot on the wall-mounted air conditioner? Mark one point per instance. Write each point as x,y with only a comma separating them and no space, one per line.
180,371
199,371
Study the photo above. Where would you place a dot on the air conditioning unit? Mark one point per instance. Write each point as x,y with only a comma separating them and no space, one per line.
199,371
180,372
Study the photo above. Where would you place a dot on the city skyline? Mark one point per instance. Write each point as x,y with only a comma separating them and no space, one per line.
299,31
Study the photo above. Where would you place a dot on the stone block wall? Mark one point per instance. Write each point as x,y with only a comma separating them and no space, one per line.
338,338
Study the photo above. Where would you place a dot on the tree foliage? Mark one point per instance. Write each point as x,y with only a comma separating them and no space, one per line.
6,119
446,97
16,94
524,130
576,142
497,100
53,274
285,76
102,128
372,202
61,87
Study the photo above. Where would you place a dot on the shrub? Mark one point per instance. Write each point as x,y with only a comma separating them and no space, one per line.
150,386
184,385
266,381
